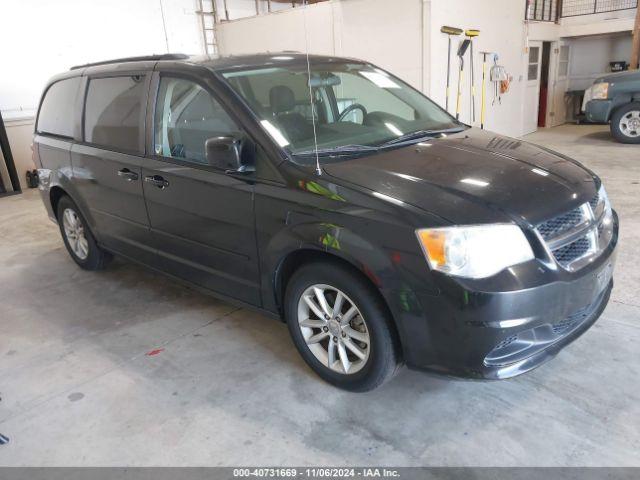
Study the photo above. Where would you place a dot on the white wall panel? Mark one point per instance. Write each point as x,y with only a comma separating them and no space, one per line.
390,36
590,57
367,29
284,30
40,38
501,30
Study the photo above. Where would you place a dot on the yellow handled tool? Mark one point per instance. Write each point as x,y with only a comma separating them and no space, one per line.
450,31
483,96
471,34
462,49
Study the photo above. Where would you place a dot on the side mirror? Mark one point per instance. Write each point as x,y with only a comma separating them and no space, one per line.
224,152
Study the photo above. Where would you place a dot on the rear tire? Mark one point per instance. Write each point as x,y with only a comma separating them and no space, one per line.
80,242
625,123
364,343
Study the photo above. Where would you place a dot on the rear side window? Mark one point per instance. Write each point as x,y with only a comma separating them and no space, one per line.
57,111
114,112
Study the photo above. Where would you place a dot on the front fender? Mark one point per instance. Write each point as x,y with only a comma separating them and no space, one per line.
335,240
317,239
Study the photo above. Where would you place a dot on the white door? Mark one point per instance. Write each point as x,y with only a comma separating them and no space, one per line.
532,87
558,104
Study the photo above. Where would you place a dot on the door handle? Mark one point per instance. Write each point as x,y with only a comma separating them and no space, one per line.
128,175
157,180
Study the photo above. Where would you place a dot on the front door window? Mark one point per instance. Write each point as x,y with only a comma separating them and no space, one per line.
186,116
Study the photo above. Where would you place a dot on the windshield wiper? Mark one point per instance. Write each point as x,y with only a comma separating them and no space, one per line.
343,150
356,149
407,137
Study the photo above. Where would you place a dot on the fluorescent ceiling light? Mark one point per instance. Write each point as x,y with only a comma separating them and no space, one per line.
275,133
380,80
475,182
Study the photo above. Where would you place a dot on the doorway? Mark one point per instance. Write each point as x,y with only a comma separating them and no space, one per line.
544,84
532,87
559,104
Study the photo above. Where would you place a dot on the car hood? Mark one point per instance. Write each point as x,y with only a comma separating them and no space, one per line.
626,76
473,177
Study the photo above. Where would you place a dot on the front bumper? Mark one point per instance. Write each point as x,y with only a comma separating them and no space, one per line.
495,333
599,111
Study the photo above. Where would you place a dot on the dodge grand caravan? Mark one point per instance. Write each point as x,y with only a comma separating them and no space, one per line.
334,196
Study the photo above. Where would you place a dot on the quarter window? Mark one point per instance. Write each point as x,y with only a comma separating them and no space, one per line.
563,61
186,116
534,61
57,111
114,113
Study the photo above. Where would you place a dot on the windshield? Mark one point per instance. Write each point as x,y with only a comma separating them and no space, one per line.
356,107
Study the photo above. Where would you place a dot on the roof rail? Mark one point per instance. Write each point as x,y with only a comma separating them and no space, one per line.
164,56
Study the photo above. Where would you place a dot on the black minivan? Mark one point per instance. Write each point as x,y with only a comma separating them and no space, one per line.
327,192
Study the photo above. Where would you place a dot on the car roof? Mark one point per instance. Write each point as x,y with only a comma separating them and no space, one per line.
263,59
217,62
214,63
620,76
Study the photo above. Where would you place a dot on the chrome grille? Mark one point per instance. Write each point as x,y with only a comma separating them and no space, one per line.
567,323
574,237
567,254
506,342
556,225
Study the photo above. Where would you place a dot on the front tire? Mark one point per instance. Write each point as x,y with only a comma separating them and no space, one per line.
78,238
341,327
625,123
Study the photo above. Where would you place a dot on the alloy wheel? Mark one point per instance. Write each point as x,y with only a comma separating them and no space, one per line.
74,231
630,124
334,329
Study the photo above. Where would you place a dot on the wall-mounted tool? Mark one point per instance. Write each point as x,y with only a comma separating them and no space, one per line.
483,94
471,34
450,31
462,49
500,78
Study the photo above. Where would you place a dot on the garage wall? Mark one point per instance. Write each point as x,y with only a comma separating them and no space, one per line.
389,35
356,28
501,28
284,30
41,38
601,23
49,37
20,134
590,57
247,8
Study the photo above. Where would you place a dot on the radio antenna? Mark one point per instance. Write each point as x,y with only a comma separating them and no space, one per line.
313,110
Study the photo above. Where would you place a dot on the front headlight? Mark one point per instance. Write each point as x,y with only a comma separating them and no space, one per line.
477,251
604,199
600,91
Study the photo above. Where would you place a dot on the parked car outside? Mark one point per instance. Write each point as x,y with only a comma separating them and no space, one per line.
328,193
615,99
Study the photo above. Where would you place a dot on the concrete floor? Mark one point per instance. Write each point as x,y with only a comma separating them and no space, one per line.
79,388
